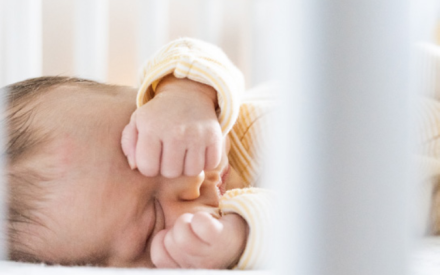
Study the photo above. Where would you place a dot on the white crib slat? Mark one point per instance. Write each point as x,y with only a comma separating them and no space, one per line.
2,42
261,46
91,39
22,40
3,245
153,27
20,58
245,41
343,161
210,20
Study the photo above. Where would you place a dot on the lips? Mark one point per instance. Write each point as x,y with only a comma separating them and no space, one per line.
224,177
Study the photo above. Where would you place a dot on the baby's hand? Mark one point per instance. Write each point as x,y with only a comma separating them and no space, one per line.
200,241
175,133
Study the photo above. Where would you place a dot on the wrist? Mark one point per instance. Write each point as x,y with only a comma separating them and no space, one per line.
173,85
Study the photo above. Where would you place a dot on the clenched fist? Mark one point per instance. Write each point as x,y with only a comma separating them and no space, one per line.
176,133
200,241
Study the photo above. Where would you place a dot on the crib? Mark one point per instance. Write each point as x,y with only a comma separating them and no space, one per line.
346,210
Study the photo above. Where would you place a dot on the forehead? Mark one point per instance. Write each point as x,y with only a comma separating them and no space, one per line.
84,124
68,106
86,127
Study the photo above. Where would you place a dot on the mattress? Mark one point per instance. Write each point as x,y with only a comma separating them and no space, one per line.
12,268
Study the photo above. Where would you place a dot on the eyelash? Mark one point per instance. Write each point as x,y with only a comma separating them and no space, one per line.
156,214
149,238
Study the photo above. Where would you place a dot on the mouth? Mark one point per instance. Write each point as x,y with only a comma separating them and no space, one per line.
224,177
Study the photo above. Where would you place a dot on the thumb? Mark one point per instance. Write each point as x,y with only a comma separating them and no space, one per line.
129,140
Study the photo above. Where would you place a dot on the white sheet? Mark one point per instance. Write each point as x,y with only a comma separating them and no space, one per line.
11,268
425,260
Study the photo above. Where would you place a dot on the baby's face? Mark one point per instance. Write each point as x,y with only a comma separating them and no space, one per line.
99,211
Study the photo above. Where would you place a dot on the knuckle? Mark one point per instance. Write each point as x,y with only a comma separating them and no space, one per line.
147,131
179,132
187,134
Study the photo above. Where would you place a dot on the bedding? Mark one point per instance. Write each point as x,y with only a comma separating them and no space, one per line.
13,268
425,260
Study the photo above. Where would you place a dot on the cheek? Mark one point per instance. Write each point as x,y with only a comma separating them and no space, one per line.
128,247
133,220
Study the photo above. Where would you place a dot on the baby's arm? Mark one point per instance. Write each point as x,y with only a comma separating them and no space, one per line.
200,62
200,241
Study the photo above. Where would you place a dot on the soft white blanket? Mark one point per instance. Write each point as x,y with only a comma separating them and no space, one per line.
11,268
425,260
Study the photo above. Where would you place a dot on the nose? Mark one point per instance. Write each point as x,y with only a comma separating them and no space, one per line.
189,187
202,188
189,195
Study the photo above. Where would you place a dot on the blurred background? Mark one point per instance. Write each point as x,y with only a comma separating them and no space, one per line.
108,40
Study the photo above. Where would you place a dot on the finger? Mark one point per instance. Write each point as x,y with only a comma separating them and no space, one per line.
173,156
213,156
129,140
159,254
194,161
148,155
206,227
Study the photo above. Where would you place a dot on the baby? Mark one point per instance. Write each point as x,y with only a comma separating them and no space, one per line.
78,197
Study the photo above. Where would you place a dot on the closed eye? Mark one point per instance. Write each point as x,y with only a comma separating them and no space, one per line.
159,223
160,217
151,231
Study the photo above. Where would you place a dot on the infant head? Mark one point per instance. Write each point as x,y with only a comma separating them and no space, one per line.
73,198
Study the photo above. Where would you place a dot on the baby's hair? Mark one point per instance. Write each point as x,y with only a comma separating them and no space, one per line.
24,139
